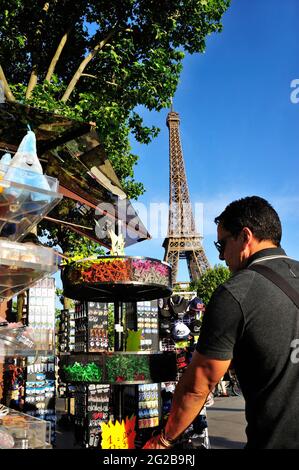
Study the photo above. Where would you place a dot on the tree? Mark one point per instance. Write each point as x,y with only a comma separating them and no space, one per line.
211,279
98,60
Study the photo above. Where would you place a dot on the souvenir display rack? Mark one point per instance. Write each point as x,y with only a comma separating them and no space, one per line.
133,376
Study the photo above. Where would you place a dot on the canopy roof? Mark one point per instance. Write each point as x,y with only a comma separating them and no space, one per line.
72,152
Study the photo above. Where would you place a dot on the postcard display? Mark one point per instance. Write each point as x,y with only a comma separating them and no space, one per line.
25,198
40,380
114,383
66,344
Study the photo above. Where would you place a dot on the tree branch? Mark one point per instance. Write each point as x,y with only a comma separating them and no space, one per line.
32,82
83,65
56,56
34,74
7,91
111,83
88,75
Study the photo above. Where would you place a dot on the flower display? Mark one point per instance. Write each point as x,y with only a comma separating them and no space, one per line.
150,271
118,270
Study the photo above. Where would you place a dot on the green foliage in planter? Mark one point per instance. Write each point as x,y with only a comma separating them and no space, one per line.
83,372
142,367
121,368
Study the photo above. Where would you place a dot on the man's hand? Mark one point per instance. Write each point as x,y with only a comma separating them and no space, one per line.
154,443
190,395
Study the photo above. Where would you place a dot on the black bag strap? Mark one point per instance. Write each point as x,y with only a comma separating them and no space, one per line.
278,280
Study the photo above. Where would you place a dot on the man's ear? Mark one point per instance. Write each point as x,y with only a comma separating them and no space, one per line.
247,234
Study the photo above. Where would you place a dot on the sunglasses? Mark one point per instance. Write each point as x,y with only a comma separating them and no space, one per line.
221,244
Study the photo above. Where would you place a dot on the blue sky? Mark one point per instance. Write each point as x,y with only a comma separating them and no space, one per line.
239,127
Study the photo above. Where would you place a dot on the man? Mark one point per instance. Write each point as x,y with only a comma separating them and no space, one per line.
251,321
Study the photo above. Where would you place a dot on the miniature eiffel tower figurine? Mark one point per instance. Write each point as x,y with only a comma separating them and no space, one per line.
182,241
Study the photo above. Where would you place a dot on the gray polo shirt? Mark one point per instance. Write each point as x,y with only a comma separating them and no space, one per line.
251,321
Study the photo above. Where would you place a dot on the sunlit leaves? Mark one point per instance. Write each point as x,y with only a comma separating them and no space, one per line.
139,66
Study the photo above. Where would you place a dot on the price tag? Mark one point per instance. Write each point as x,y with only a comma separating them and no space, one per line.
118,328
119,435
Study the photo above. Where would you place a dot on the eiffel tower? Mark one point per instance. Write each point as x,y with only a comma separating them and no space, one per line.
182,241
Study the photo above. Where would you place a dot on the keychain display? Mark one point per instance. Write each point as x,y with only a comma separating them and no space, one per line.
63,331
148,406
91,327
92,408
41,309
147,322
40,391
81,327
97,313
98,411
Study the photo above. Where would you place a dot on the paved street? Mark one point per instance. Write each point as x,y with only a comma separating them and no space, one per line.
226,423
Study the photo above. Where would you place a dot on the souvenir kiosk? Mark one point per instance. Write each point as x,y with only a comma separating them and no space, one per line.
120,387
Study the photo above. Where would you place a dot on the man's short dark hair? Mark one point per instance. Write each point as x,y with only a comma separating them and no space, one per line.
255,213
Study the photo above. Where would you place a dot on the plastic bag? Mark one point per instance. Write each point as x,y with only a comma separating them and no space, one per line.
26,169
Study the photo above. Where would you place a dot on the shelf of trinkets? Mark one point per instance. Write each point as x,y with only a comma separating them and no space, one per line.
97,313
91,327
66,331
22,265
26,341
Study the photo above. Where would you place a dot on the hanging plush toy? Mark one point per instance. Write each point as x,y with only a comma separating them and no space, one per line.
26,169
